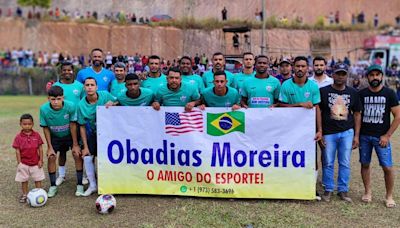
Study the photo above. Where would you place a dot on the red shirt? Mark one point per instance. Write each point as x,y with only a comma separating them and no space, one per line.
28,146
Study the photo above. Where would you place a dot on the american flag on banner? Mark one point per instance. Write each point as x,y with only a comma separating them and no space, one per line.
183,122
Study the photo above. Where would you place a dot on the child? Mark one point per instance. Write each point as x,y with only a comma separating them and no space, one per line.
29,152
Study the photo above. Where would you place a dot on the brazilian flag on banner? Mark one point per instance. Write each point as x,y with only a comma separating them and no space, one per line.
225,123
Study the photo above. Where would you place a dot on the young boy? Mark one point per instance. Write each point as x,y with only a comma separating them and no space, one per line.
29,152
58,119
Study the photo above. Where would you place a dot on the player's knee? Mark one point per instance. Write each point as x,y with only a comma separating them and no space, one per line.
365,166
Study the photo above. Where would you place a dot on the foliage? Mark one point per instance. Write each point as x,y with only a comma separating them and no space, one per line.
35,3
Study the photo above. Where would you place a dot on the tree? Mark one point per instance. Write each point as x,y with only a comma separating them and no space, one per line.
35,3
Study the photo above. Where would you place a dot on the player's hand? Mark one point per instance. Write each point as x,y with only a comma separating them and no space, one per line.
202,107
189,106
142,75
50,152
245,106
40,164
85,152
318,136
384,140
356,143
156,105
108,104
307,105
76,151
236,107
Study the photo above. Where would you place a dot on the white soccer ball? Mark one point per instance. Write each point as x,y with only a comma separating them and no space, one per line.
105,204
37,197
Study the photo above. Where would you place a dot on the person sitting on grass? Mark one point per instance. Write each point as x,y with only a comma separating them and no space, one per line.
29,152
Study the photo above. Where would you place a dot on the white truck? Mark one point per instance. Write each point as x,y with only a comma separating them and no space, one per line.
382,49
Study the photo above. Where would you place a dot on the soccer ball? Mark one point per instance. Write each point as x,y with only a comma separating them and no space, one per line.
105,204
37,197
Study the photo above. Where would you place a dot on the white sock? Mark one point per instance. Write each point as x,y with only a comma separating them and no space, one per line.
61,171
90,172
316,176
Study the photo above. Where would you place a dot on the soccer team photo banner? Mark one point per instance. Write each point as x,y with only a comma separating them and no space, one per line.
248,153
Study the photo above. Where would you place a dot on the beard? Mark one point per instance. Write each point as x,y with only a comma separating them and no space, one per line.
375,83
319,72
97,63
300,74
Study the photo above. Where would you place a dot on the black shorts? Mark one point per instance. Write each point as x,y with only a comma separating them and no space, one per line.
92,143
61,144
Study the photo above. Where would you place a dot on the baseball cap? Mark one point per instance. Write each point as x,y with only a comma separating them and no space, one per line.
340,67
285,60
374,67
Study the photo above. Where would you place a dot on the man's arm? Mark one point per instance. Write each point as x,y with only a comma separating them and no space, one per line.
243,102
74,134
18,155
40,151
85,150
190,105
318,135
47,135
357,127
384,139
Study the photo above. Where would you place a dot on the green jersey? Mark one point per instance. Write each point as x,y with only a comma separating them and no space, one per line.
228,100
87,111
145,98
261,92
291,93
72,92
58,120
195,80
117,88
154,83
208,78
185,94
240,78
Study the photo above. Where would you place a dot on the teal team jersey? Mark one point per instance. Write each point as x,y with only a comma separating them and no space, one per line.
261,92
195,80
240,78
72,92
87,112
184,95
208,78
228,100
146,98
117,88
154,83
291,93
58,120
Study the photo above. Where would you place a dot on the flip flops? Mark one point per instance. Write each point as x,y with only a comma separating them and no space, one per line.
390,203
22,199
366,199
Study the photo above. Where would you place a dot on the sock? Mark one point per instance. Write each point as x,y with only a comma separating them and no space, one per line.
90,172
61,171
79,174
52,179
316,176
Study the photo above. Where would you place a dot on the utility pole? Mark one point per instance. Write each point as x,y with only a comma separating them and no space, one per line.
263,28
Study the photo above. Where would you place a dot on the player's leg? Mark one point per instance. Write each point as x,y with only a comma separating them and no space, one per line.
365,160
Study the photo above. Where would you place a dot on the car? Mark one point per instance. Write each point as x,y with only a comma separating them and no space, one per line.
161,17
233,65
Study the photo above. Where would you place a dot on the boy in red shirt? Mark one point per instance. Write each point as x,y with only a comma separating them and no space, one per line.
29,152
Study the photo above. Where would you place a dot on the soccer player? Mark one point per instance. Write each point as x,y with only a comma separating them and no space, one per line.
185,66
262,90
135,96
118,84
341,119
320,77
97,71
302,92
285,70
376,130
248,71
218,61
220,95
73,92
87,120
155,78
58,120
176,92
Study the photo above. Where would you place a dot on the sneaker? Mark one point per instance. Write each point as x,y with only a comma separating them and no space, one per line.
22,199
85,181
60,180
317,196
79,190
90,191
326,196
52,191
345,197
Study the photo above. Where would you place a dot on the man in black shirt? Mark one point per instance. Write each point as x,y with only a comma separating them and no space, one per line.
378,102
341,119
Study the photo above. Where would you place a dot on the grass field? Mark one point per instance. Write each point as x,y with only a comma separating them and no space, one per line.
66,210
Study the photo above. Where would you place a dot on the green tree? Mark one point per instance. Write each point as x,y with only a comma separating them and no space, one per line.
35,3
